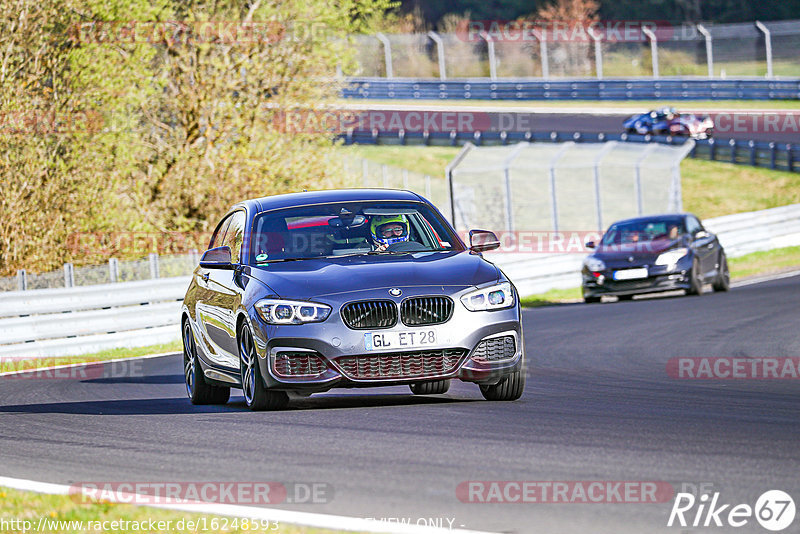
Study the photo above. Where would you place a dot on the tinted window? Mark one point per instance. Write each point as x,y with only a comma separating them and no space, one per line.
234,235
641,231
347,228
693,225
219,234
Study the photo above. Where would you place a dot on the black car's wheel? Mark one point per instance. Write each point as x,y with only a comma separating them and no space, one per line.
591,300
695,285
625,297
509,389
430,388
199,391
256,396
723,279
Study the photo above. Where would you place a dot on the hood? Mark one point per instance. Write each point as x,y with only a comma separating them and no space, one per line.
645,251
308,279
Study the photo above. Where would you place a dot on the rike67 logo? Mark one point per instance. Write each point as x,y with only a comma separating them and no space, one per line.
774,510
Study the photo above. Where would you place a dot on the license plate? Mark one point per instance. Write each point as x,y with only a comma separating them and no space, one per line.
399,340
631,274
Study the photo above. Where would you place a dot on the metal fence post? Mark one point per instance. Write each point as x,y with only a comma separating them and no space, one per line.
507,179
448,172
598,52
543,51
598,204
492,59
768,45
440,53
154,265
365,172
405,178
709,49
69,275
427,187
653,48
22,280
113,270
194,256
387,53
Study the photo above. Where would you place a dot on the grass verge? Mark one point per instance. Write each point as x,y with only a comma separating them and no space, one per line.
15,363
68,514
756,263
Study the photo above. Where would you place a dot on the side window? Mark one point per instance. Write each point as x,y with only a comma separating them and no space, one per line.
234,236
216,240
693,225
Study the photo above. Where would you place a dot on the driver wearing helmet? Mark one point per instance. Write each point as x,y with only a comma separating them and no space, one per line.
387,230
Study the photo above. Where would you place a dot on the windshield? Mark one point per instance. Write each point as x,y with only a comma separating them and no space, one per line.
643,231
348,228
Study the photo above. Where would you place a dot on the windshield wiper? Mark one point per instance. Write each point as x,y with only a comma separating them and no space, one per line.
277,260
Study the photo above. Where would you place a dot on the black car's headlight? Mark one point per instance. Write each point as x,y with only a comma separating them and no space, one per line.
489,298
279,311
670,258
594,264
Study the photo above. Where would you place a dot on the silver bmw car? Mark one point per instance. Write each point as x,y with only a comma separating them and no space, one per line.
305,292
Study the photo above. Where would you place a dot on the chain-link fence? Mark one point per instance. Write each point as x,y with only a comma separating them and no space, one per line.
154,266
724,50
563,186
366,173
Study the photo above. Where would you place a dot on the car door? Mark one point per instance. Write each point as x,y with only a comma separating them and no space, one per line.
704,244
225,290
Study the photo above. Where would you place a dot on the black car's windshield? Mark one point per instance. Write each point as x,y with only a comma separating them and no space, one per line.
348,228
643,231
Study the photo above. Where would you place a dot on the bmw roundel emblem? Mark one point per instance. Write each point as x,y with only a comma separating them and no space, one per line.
630,259
395,292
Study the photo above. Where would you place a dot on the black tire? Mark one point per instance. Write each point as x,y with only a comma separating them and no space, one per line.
199,391
723,279
624,297
695,285
591,300
257,397
430,388
509,389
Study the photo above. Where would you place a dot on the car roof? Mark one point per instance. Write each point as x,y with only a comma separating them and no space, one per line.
653,218
305,198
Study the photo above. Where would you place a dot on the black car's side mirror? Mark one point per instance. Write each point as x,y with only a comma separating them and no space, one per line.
590,244
702,234
482,240
217,258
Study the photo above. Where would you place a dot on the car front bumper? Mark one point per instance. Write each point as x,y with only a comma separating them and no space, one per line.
336,343
660,279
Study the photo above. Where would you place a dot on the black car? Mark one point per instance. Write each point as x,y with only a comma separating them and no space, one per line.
305,292
653,254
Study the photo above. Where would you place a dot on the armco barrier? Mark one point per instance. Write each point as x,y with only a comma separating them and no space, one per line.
583,89
772,155
147,312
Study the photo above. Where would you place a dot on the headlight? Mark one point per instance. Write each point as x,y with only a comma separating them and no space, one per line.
594,264
490,298
275,311
671,257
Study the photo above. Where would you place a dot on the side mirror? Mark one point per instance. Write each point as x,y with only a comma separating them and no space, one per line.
217,258
482,240
702,234
590,244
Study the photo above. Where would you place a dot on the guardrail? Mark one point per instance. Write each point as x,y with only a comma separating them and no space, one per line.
79,320
771,155
583,89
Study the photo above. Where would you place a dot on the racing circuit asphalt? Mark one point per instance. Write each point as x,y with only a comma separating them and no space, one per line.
598,406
